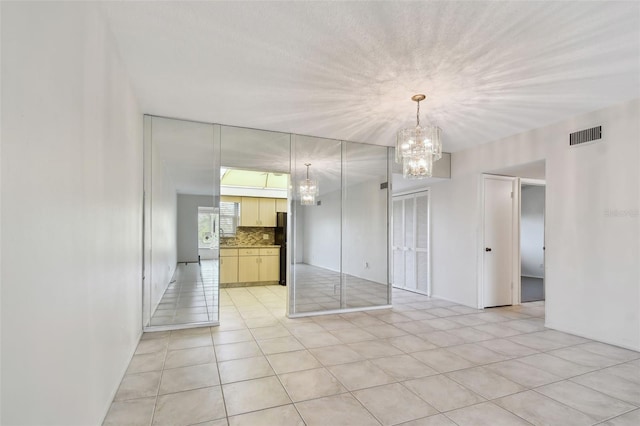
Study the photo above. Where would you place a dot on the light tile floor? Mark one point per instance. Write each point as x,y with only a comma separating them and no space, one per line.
191,297
425,362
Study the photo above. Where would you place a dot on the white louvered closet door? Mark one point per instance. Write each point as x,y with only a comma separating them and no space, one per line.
398,243
422,242
411,242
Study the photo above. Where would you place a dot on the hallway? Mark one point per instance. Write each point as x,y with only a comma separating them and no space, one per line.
426,361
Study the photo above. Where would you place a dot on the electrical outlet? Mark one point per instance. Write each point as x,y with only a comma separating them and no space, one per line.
265,236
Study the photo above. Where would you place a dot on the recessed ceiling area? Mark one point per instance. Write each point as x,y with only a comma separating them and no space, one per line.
347,70
253,179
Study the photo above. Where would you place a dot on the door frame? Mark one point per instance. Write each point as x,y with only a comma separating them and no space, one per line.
404,195
515,238
518,257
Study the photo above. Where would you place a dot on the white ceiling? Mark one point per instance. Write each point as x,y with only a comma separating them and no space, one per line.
347,70
253,179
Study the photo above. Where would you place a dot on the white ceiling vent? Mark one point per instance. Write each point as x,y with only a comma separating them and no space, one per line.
584,136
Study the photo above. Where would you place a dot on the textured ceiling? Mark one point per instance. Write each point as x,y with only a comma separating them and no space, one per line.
347,70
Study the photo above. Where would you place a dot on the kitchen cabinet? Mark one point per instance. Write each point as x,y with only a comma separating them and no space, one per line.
248,265
269,265
281,205
255,211
267,212
228,266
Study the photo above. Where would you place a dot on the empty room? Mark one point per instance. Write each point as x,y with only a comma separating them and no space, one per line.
232,213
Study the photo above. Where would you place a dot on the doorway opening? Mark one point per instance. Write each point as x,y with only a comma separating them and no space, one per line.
532,210
511,263
253,239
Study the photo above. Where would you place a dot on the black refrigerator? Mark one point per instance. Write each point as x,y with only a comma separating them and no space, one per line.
281,240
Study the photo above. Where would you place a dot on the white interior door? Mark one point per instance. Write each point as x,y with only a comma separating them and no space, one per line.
410,245
498,241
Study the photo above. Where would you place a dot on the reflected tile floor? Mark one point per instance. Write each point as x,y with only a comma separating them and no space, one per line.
191,296
318,289
423,362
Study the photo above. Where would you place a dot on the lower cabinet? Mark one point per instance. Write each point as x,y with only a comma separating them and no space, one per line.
228,266
269,264
251,265
248,269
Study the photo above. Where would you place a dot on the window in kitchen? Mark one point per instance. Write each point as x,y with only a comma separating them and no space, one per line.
229,216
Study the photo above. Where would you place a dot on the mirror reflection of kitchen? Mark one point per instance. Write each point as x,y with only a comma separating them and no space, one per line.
252,227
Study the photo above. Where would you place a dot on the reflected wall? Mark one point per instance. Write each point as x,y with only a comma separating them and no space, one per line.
365,225
317,228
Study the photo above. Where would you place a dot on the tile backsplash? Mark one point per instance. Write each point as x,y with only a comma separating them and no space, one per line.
250,236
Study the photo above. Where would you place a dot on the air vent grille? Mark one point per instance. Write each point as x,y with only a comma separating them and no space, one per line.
584,136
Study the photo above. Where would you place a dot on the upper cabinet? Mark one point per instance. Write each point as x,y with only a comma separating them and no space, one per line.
281,205
267,212
256,211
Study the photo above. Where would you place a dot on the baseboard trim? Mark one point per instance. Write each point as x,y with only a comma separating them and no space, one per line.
597,339
132,352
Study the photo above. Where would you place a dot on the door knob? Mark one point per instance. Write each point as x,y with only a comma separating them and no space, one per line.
487,249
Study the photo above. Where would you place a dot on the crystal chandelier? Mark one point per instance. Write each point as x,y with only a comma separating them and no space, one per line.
418,147
308,189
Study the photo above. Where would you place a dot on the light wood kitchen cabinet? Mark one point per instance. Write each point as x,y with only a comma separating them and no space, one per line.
248,265
267,212
281,205
269,265
256,211
248,269
228,266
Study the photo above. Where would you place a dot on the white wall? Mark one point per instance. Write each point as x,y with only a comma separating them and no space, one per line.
592,269
593,229
455,212
71,215
164,217
188,225
532,231
321,244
